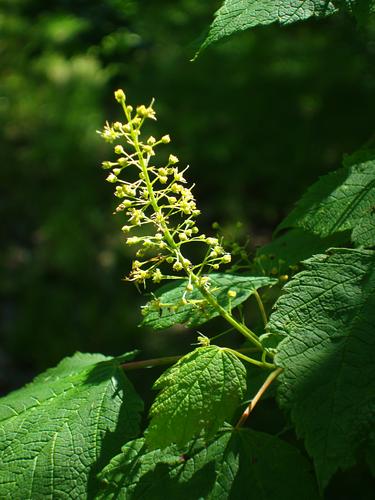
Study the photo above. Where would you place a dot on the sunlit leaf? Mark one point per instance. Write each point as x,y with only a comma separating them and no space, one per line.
60,430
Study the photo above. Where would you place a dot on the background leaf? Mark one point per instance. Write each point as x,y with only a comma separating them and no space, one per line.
327,316
293,247
236,464
60,430
342,200
192,316
197,395
239,15
361,9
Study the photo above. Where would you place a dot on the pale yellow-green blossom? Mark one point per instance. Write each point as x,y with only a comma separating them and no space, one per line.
157,199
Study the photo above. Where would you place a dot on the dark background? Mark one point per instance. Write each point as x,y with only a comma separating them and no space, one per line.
258,118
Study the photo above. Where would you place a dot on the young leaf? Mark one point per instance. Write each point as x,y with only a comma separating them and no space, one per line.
195,315
327,318
59,431
342,200
198,394
236,464
239,15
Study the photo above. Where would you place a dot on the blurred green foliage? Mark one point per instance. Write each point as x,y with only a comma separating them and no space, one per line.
259,118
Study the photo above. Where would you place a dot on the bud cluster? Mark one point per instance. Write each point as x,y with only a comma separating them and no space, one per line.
158,198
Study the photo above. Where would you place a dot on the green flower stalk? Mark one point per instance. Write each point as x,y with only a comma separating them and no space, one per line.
161,211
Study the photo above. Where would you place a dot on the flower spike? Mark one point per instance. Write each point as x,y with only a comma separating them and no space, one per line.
158,199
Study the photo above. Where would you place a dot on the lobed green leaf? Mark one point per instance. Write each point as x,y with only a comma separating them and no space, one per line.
195,315
60,430
326,319
240,15
198,394
342,200
235,464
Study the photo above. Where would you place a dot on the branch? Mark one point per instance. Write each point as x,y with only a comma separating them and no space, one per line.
271,377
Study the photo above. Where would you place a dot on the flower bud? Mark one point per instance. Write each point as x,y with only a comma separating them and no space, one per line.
144,112
157,276
111,178
119,95
211,241
133,240
108,164
119,150
119,193
122,162
172,159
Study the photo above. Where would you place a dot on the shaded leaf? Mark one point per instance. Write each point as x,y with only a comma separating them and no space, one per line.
236,464
342,200
128,472
255,379
361,9
195,315
239,15
198,394
327,321
59,431
295,246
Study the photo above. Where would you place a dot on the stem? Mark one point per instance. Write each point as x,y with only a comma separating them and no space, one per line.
150,363
271,377
167,360
261,364
144,165
261,307
244,330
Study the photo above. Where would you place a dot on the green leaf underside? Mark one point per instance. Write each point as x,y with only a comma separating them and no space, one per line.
60,430
295,246
327,320
197,395
195,315
240,15
342,200
236,464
